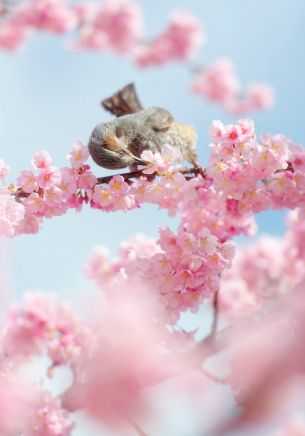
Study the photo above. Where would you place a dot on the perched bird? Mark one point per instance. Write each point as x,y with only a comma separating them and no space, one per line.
120,142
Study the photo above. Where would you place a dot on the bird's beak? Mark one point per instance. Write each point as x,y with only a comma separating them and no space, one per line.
137,160
141,161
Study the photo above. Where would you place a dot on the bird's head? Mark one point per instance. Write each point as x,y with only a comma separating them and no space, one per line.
110,151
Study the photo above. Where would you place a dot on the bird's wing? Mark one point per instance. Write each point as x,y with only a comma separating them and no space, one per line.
123,102
159,119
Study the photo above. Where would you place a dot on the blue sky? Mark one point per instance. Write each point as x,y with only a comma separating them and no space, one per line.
49,98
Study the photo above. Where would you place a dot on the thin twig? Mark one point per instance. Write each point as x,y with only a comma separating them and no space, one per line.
214,327
228,336
126,176
189,173
137,428
214,378
139,173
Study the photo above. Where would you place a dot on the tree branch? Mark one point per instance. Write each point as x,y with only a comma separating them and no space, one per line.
189,173
214,327
193,171
213,344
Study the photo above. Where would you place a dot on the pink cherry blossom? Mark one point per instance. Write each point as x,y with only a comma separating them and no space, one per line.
114,25
28,181
78,155
86,180
86,11
102,197
4,169
13,35
117,25
117,186
116,388
160,162
68,182
276,381
207,242
218,82
49,418
261,96
48,15
49,177
43,323
121,23
34,204
11,213
178,42
14,400
41,160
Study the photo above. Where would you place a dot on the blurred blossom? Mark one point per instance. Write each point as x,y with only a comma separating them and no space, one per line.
219,83
113,25
13,35
179,42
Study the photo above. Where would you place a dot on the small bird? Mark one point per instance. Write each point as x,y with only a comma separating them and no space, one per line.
119,143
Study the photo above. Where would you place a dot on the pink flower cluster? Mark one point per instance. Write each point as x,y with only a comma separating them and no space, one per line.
264,270
110,371
179,42
13,35
117,373
119,195
117,26
48,417
244,176
27,409
269,345
41,15
47,15
219,83
254,175
179,271
11,213
4,169
111,25
43,324
45,191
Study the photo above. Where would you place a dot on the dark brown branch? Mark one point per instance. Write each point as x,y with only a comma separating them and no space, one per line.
214,378
137,428
224,338
214,327
194,171
128,177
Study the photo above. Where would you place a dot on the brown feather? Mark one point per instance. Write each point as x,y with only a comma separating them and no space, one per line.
123,102
110,142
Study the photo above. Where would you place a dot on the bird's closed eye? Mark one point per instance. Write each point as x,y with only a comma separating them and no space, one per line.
110,141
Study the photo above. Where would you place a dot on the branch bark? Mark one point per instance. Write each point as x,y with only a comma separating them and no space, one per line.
128,177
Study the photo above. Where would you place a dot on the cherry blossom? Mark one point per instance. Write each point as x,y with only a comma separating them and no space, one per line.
40,324
78,155
11,213
47,15
13,35
4,169
219,83
178,42
28,181
117,26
